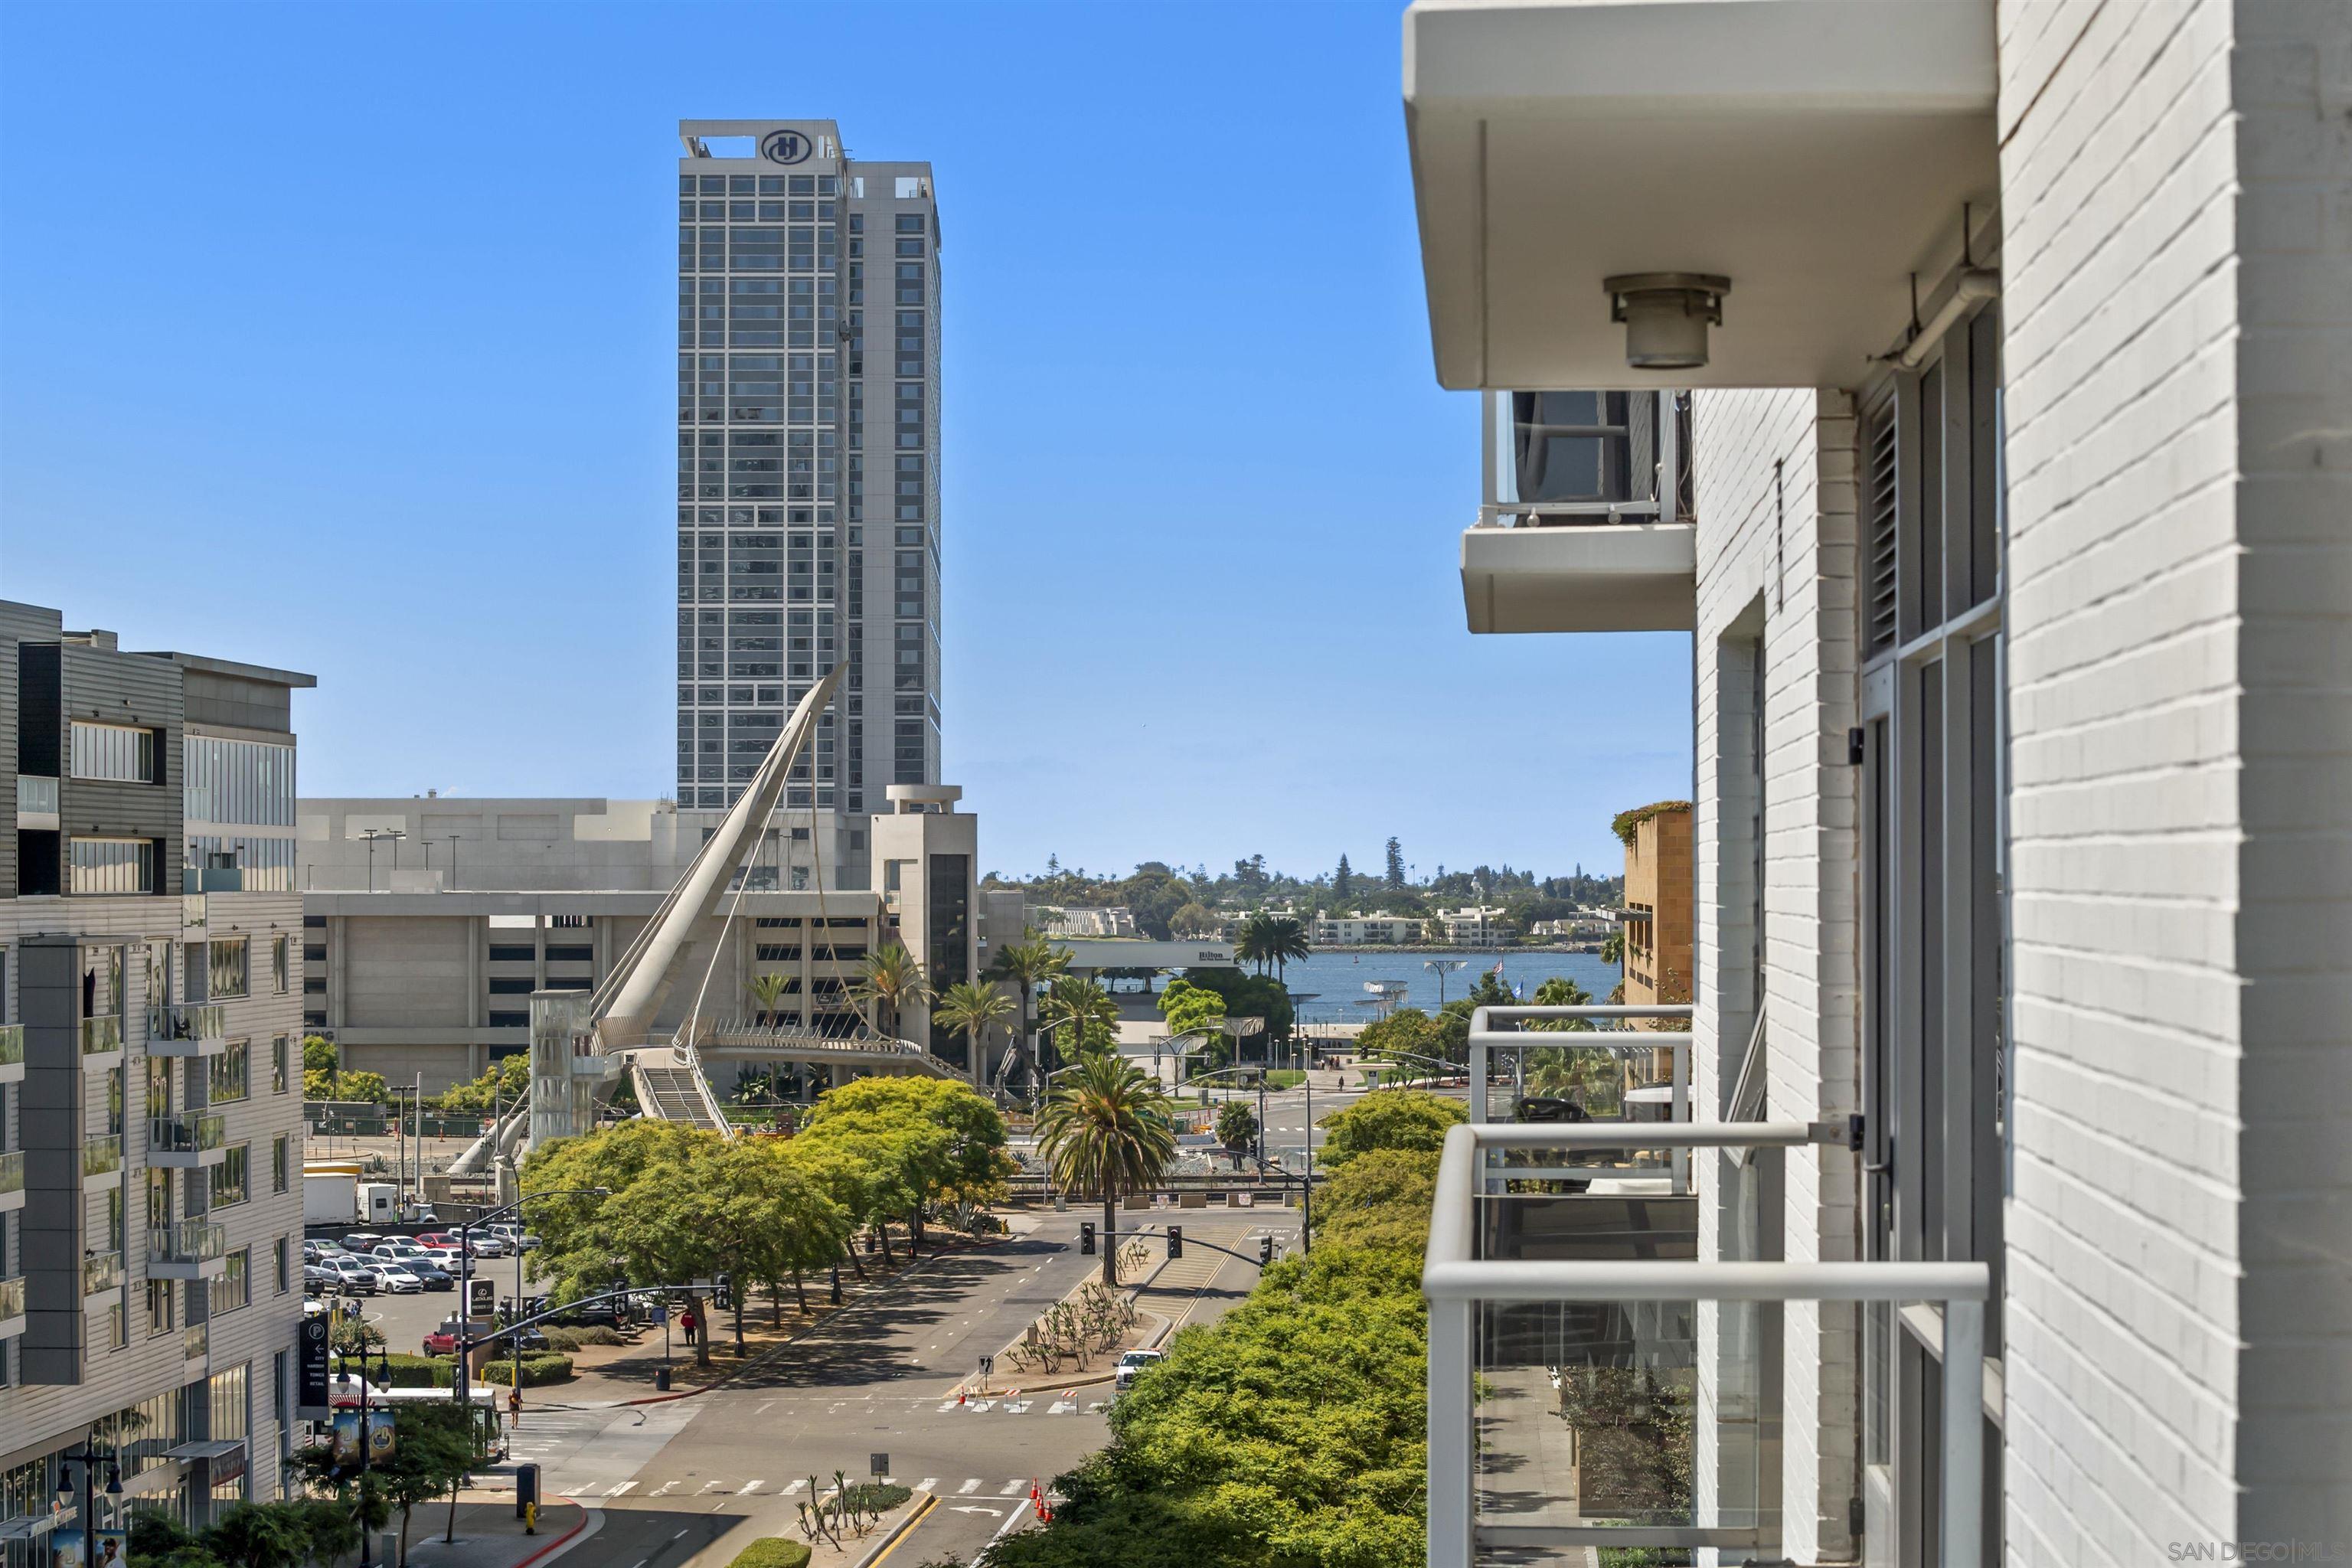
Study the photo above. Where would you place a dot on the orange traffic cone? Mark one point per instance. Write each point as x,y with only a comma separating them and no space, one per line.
960,1400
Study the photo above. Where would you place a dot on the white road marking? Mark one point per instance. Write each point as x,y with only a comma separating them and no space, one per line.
680,1536
662,1491
1013,1488
625,1486
751,1487
795,1485
709,1487
969,1487
1062,1408
1093,1405
926,1483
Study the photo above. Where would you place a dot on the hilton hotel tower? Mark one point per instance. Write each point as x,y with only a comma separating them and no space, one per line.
808,480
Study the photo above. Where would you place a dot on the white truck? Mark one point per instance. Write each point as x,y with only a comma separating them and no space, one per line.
334,1194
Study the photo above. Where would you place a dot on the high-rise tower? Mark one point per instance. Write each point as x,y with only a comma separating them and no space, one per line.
808,486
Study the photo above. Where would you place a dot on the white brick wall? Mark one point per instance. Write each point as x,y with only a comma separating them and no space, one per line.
2176,200
1789,548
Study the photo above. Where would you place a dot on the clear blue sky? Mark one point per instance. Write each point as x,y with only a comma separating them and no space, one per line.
340,337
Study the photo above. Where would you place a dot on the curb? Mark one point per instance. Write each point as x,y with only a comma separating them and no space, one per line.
915,1516
569,1536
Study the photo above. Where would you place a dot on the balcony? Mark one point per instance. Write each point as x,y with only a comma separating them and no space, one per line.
12,1181
99,1036
198,879
37,802
101,1157
1814,153
100,1271
1584,523
195,1342
1590,1390
12,1307
185,1142
12,1053
187,1029
186,1250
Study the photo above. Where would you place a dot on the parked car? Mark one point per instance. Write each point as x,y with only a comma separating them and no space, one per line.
393,1280
352,1277
397,1251
603,1314
361,1241
429,1239
514,1235
488,1244
448,1257
319,1274
435,1278
443,1340
1132,1363
313,1307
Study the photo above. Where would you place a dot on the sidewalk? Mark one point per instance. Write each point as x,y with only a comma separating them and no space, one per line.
489,1534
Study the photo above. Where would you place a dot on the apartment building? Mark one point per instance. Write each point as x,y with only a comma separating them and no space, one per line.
1360,930
426,968
1965,377
1475,925
808,527
1657,914
150,1075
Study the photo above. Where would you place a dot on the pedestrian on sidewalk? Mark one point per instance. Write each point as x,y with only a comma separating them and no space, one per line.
686,1323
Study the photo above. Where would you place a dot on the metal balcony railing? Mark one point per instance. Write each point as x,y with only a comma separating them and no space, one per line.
100,1271
187,1021
101,1035
1610,1400
12,1297
12,1171
185,1134
1601,1072
101,1154
187,1241
11,1045
1556,459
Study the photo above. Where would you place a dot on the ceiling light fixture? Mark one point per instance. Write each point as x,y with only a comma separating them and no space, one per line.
1667,315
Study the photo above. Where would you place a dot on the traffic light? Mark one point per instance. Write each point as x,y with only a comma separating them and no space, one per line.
1175,1242
1264,1250
723,1297
1086,1238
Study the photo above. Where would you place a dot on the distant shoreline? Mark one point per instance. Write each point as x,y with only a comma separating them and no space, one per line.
1590,950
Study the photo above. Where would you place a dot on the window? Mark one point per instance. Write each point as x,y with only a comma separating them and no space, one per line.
228,1184
512,986
113,752
242,784
227,965
111,865
502,1020
277,1250
279,1051
277,1164
281,968
117,1326
161,1298
231,1073
512,952
233,1287
571,954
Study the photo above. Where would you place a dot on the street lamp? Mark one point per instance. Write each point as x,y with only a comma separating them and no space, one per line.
1307,1188
384,1375
1442,967
457,1380
88,1458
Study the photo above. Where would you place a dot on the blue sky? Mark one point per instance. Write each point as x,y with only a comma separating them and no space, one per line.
340,337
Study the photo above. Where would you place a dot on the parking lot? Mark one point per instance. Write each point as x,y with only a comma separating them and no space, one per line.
403,1320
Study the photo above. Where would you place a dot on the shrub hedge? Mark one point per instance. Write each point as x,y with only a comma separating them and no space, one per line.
436,1371
771,1551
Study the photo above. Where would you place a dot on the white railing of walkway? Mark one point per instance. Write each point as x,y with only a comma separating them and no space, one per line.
1489,1038
1457,1282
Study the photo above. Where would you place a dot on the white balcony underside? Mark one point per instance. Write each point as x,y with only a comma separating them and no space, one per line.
1816,153
1596,577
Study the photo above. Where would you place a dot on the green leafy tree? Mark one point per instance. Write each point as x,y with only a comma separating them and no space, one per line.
1612,947
1194,1012
1393,876
1381,1198
1343,883
504,1083
931,1142
889,980
970,1009
434,1448
1392,1118
1028,963
1107,1130
1192,920
1285,939
349,1089
1247,997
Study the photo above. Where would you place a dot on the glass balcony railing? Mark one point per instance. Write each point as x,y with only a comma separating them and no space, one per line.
100,1271
1570,1066
11,1045
184,1134
99,1035
1588,1390
1571,457
11,1298
36,795
186,1241
12,1171
187,1021
101,1154
195,1342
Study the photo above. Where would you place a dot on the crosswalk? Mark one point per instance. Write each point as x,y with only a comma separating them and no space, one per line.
967,1487
1065,1404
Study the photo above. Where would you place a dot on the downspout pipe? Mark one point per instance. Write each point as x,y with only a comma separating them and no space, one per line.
1970,290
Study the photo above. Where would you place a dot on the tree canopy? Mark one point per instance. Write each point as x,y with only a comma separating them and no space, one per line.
1389,1119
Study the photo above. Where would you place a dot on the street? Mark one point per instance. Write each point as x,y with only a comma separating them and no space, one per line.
691,1481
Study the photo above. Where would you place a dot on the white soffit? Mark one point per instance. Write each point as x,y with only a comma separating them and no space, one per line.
1815,151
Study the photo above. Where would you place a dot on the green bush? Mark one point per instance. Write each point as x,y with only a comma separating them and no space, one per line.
877,1497
438,1372
572,1339
771,1551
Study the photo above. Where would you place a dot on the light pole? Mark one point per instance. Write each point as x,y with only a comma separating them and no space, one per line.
457,1380
88,1458
1442,967
384,1375
373,836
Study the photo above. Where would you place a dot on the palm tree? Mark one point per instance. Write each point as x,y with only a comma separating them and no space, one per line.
1079,1005
768,990
1107,1130
1285,939
889,981
1030,962
1252,944
971,1010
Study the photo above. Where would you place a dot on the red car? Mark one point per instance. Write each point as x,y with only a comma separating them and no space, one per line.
437,1239
443,1340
